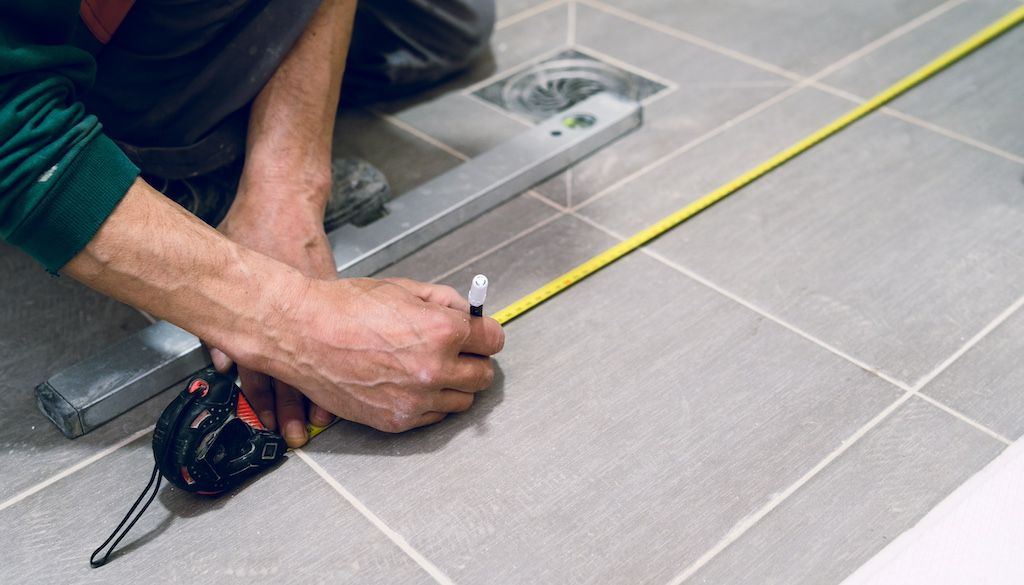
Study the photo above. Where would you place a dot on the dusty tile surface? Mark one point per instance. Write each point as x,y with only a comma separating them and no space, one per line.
706,90
877,70
524,265
800,35
641,417
472,239
47,325
978,97
714,162
627,436
986,383
889,242
880,487
285,527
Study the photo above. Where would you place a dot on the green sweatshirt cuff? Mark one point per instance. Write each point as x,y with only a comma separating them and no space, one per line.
75,207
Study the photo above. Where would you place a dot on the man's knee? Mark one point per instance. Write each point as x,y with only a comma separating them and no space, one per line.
421,41
478,25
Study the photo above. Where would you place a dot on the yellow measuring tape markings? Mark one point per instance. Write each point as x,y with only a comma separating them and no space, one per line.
563,282
665,224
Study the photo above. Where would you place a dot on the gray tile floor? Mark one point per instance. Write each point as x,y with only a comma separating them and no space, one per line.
768,394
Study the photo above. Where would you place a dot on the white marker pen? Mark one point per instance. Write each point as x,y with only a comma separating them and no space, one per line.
477,295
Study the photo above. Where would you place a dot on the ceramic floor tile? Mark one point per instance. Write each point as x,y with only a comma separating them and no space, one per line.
711,90
972,536
48,324
525,40
881,68
979,97
526,264
889,242
638,418
287,526
406,160
800,35
985,384
682,180
461,122
472,239
882,486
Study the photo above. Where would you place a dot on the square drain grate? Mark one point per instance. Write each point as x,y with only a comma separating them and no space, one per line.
558,83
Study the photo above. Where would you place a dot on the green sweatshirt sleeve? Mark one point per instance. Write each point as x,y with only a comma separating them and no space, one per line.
60,176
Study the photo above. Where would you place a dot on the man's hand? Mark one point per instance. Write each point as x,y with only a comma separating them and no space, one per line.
279,208
297,239
393,354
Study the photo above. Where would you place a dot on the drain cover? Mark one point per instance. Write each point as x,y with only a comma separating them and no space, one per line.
557,84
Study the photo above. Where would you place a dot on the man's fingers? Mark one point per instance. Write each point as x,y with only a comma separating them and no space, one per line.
430,418
259,389
319,416
472,373
486,337
434,293
221,361
452,401
291,414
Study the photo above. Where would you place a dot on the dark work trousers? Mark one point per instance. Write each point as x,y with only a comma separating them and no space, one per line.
175,83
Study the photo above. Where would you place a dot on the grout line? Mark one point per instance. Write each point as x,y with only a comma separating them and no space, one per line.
518,236
887,38
523,15
721,128
74,468
600,56
692,39
570,39
741,527
964,418
395,537
468,91
814,80
744,525
738,530
915,121
802,82
510,71
510,115
999,320
554,205
749,305
568,187
953,135
647,101
419,134
778,320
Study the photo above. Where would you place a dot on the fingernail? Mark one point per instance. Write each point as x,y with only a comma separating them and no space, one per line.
221,362
295,433
320,417
269,420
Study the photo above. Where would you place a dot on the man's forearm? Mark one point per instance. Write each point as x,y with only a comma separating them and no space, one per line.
292,120
153,255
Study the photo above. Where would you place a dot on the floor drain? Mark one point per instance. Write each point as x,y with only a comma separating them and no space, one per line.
559,83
